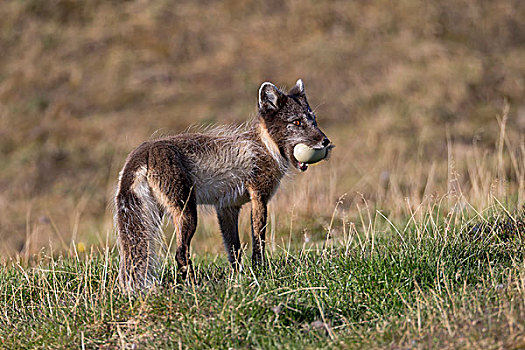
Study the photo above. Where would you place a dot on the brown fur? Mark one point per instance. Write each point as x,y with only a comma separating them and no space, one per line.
225,168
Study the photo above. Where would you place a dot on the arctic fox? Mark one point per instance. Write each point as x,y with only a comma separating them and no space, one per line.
224,167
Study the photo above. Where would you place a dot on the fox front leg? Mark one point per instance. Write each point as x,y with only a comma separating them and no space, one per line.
258,218
228,221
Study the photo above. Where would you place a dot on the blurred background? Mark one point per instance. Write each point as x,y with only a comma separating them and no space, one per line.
424,101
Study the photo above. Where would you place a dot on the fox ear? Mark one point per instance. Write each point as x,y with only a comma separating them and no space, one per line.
298,89
271,98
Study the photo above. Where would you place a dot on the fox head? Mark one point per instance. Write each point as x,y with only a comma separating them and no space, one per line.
289,121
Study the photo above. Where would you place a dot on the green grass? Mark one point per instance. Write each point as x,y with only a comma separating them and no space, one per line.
438,285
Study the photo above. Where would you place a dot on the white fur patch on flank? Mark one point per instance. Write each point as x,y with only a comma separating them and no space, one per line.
272,147
222,170
139,186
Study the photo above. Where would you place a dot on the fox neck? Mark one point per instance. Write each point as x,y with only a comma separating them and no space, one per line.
270,144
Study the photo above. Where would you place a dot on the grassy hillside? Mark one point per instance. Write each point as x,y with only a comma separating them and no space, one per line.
83,83
410,236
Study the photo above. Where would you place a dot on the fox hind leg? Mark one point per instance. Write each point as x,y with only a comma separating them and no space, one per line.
185,222
173,189
179,202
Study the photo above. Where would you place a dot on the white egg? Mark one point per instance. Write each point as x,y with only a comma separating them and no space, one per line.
307,154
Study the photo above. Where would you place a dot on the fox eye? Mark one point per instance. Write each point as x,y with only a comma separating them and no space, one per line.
297,122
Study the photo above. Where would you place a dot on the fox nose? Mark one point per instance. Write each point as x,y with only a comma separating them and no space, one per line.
326,142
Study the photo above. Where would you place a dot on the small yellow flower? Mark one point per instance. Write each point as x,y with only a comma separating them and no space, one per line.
81,247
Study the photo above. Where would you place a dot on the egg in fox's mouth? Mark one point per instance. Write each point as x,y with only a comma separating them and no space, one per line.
304,155
299,165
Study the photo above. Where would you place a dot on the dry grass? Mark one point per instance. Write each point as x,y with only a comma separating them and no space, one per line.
409,92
